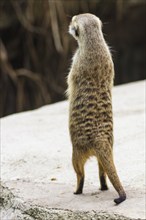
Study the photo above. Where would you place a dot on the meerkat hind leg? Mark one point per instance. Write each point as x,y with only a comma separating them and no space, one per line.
78,164
102,177
105,156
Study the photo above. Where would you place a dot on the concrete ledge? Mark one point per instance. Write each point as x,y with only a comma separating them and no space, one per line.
14,208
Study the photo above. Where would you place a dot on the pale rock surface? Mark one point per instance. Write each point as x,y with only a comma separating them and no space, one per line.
37,174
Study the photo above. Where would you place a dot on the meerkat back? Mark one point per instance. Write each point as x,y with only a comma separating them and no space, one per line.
90,103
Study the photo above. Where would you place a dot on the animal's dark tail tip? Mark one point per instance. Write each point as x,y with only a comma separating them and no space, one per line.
120,199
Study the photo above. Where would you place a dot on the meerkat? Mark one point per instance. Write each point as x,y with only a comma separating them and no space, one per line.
90,81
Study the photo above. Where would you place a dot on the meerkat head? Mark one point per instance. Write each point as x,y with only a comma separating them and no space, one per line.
85,27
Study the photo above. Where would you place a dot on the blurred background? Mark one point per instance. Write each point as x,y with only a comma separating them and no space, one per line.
36,49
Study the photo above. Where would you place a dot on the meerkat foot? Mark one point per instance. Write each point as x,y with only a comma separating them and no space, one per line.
103,183
103,188
102,177
78,192
78,165
80,187
120,199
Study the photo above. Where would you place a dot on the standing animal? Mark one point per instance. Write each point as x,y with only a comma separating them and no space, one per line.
90,81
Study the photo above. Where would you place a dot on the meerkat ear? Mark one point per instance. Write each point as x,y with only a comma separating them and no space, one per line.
74,31
77,31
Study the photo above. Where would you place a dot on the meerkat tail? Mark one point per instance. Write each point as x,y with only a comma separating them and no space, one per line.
106,159
102,177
